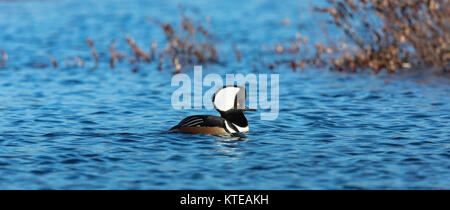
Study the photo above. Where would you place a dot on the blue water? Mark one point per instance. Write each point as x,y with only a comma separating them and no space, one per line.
77,128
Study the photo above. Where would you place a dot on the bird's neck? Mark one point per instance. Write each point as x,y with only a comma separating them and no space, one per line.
236,117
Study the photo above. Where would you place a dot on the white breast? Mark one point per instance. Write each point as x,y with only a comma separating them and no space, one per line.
241,129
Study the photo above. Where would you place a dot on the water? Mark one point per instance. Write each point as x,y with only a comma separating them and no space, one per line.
73,128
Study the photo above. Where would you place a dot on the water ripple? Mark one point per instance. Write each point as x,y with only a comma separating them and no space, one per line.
70,128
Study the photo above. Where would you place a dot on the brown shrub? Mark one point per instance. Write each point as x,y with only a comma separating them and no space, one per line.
391,34
381,34
190,44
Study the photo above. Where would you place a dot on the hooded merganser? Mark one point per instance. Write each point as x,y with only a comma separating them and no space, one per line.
229,101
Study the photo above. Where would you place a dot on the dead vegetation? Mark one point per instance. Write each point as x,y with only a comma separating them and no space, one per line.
381,34
190,43
74,62
3,59
93,52
139,54
376,34
237,53
53,61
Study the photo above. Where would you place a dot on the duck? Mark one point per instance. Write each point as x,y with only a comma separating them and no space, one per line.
229,101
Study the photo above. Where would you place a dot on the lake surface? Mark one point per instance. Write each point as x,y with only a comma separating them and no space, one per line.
77,128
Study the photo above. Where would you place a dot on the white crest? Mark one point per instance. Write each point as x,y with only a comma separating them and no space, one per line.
224,98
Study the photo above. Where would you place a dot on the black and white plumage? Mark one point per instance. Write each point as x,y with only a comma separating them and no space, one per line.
200,120
229,101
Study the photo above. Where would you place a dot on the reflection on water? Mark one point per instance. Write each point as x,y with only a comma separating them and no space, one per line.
79,129
229,143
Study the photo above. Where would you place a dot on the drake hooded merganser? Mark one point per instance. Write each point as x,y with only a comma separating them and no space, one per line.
229,101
